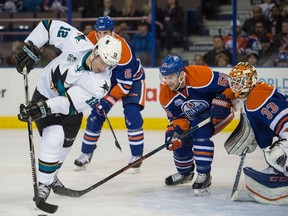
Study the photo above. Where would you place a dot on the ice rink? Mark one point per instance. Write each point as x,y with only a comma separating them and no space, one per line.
144,194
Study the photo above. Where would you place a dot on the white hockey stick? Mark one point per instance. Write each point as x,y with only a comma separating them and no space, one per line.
236,190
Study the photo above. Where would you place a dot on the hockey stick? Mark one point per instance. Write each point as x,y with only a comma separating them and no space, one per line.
77,193
40,202
109,124
236,190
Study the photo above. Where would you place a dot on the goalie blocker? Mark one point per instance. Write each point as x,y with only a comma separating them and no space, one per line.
266,188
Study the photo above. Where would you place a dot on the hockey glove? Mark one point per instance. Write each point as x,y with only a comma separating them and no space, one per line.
35,110
105,104
28,57
171,137
220,109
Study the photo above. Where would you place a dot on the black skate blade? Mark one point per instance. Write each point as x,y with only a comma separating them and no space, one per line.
44,206
63,191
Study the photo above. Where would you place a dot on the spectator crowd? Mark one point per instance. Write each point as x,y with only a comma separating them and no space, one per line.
262,38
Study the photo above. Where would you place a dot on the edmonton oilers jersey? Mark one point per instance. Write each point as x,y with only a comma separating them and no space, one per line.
267,111
202,85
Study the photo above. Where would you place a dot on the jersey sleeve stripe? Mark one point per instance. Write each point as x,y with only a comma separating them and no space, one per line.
277,118
281,125
47,24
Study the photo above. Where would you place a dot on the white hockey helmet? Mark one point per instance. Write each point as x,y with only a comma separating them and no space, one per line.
242,78
109,49
276,156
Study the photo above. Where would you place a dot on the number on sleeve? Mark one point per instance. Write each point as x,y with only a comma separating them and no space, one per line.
269,110
223,79
63,32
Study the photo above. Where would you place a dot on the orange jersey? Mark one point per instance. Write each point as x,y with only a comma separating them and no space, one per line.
202,85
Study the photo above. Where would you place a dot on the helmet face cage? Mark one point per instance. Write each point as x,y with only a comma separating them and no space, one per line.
104,24
242,78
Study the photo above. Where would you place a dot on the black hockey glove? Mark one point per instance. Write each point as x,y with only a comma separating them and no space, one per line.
35,110
28,57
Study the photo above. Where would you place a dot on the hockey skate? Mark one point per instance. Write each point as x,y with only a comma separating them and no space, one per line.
177,179
202,184
136,168
43,190
83,161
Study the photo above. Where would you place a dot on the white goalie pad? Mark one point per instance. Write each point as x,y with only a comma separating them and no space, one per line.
242,137
266,188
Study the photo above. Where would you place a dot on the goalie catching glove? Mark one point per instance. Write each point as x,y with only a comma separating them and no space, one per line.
28,57
172,137
276,156
35,110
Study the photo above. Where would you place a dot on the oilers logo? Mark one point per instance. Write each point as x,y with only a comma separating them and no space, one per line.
194,108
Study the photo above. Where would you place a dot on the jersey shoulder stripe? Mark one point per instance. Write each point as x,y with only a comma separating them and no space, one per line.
198,76
126,55
47,24
259,95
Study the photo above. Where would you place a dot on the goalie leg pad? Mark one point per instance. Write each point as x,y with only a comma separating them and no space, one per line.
241,137
266,188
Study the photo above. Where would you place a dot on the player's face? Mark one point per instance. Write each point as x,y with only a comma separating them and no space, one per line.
101,34
98,65
172,81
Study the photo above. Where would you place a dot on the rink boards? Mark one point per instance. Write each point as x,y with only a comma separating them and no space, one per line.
12,94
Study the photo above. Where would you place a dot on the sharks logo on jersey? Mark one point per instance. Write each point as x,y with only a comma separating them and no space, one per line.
105,87
194,108
80,37
58,81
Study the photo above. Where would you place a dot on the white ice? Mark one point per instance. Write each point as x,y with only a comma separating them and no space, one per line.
126,194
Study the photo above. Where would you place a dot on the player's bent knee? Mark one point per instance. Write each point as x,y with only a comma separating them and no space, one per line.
133,117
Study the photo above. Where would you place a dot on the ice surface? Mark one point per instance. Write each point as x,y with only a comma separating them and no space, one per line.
126,194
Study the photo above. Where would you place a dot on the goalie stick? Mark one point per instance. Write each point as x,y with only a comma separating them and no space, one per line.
39,202
236,190
77,193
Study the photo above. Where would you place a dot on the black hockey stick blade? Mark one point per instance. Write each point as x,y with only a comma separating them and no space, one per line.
77,193
63,191
118,145
44,206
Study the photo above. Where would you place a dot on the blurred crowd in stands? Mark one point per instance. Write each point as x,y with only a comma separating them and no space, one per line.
262,38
